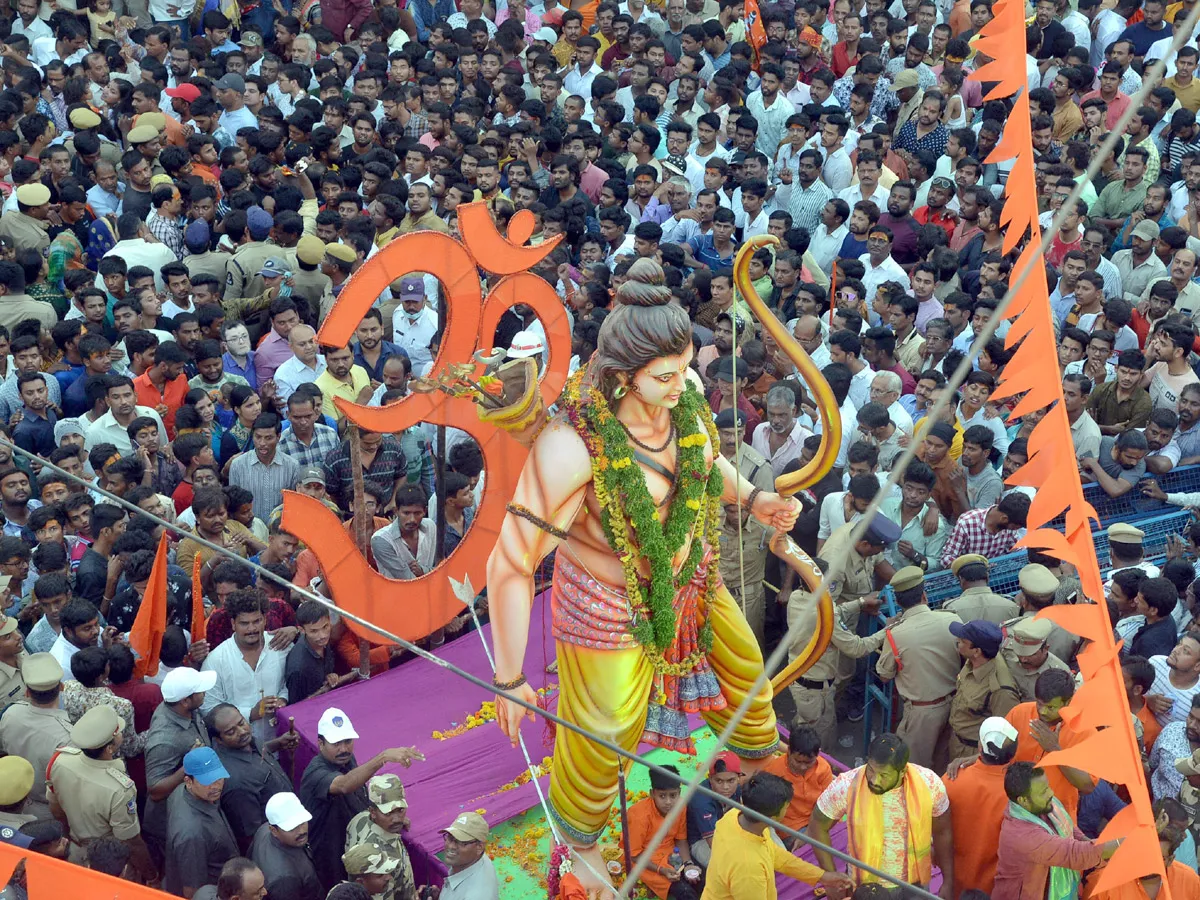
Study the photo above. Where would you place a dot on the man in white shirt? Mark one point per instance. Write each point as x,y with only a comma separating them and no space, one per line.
123,408
414,324
306,365
827,240
578,80
405,548
879,264
133,247
250,675
80,624
28,23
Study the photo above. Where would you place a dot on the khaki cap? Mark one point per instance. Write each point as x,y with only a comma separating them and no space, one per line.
84,118
310,250
96,728
1036,579
470,826
155,120
369,859
35,194
1124,533
16,778
907,578
1029,635
344,252
1188,765
905,78
41,672
8,624
143,134
967,559
386,793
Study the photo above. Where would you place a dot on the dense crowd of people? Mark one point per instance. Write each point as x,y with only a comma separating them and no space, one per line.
186,192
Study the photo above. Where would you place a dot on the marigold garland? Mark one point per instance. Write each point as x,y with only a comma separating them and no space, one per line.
631,521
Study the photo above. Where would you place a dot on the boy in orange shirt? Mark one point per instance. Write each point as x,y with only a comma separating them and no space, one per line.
645,817
1139,678
1041,730
808,772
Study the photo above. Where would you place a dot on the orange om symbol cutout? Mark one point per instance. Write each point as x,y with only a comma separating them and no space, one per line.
412,609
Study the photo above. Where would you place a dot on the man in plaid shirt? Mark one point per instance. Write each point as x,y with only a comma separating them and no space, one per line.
989,532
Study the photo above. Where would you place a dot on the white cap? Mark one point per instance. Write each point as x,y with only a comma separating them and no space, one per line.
526,343
285,811
183,681
995,732
335,726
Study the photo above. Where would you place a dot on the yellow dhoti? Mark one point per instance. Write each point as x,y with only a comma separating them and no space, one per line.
608,686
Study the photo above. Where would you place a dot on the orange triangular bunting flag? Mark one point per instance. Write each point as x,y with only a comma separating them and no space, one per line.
145,638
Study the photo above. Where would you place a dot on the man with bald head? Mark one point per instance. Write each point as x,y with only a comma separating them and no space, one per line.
885,390
306,364
1182,270
807,331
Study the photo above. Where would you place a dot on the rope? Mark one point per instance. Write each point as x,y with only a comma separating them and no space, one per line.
461,673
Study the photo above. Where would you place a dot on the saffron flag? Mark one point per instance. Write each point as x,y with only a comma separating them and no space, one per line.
199,624
145,637
1032,378
756,32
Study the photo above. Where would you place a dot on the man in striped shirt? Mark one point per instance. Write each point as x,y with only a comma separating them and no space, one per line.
1176,681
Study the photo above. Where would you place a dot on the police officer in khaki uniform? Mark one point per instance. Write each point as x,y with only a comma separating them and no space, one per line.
852,592
92,795
922,656
242,278
1039,587
382,823
1027,655
12,653
16,778
308,281
744,566
977,600
985,685
35,727
855,566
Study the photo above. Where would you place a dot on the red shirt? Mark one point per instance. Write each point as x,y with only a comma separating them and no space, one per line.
171,397
841,61
1059,249
947,220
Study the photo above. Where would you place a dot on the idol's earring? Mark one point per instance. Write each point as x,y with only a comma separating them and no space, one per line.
620,391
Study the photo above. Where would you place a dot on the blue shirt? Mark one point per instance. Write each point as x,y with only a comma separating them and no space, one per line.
703,812
35,434
852,248
67,377
704,251
1098,807
386,351
248,373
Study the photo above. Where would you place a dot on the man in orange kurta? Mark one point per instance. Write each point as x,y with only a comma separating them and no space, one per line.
1183,882
1041,729
807,770
977,804
645,817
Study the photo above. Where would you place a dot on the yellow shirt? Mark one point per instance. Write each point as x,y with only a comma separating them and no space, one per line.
332,387
955,445
1189,95
744,864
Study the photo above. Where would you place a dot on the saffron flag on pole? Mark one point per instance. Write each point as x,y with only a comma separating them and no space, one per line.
756,32
199,624
145,637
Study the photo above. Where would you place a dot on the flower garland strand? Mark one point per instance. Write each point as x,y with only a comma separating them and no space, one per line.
631,522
